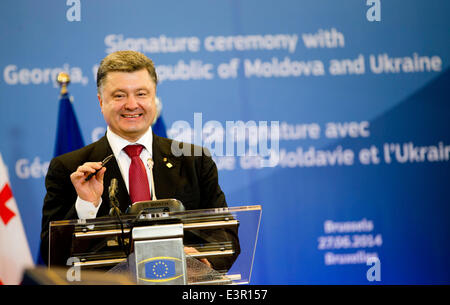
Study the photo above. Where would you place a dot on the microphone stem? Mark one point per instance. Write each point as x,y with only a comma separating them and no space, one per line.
152,186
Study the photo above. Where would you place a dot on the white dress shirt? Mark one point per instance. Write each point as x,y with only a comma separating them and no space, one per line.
86,209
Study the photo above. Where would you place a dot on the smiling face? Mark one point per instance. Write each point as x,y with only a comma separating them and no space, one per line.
127,100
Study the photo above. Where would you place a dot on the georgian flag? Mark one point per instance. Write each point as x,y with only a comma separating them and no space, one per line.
15,253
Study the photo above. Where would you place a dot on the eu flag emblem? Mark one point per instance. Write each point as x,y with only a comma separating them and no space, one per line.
160,269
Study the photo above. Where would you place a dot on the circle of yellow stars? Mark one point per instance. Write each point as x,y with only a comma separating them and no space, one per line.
164,265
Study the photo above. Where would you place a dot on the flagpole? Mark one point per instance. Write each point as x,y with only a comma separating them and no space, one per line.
63,80
68,135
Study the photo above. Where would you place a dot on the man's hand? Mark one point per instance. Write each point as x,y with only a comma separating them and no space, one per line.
92,189
191,250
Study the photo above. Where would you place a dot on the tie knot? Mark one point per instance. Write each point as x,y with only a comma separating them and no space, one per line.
133,150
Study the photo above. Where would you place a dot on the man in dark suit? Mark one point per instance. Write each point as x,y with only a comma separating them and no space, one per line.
126,83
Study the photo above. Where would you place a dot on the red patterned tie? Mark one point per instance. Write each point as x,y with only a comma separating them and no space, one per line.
138,181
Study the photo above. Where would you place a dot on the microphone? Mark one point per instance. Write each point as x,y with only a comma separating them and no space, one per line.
152,183
114,203
113,186
113,189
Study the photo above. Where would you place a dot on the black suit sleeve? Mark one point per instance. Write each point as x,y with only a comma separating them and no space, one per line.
212,196
59,201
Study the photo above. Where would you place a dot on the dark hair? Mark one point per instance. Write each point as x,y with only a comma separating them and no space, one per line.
124,61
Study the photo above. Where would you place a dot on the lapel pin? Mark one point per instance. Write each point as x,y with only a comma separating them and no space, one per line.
168,164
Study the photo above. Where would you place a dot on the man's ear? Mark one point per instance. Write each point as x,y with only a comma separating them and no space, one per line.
100,100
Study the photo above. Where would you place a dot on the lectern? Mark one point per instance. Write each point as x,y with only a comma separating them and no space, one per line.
211,246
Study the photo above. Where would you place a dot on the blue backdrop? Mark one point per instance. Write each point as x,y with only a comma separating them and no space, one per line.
359,90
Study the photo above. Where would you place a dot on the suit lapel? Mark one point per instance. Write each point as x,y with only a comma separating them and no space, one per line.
165,168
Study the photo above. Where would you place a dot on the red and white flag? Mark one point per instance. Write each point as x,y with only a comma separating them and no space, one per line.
15,253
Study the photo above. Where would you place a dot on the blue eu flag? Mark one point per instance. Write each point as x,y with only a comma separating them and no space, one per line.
159,128
160,269
68,136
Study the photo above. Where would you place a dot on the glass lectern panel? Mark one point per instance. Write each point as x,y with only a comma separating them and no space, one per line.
218,244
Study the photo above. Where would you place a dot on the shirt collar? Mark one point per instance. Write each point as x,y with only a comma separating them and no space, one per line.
118,143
